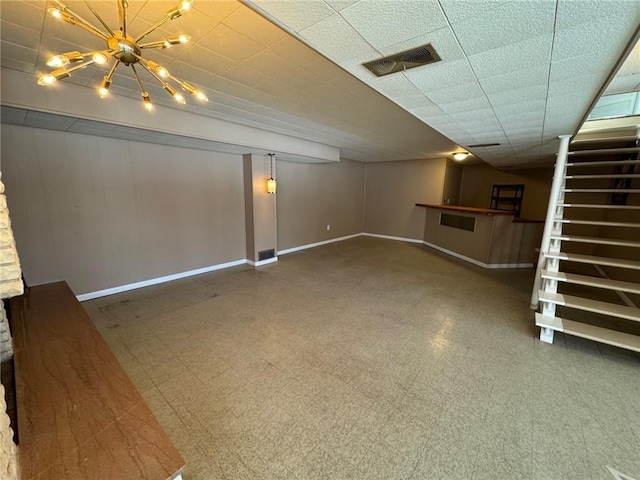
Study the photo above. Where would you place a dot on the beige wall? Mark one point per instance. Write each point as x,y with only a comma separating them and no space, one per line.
312,196
100,212
260,207
393,189
452,183
478,179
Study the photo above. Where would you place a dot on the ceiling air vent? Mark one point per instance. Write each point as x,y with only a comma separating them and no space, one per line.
403,61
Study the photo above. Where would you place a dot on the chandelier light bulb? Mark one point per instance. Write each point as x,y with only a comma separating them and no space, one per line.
201,96
103,91
185,5
178,97
55,12
184,38
47,79
147,101
163,72
58,61
100,58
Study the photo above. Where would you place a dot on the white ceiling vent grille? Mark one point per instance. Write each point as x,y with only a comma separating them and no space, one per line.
403,61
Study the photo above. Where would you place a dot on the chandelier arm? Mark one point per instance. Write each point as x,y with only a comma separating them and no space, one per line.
93,10
122,15
145,65
135,73
80,66
152,45
113,69
151,29
73,18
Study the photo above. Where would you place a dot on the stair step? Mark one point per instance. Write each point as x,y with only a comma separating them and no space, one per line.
600,190
590,332
598,282
602,164
605,151
597,222
595,205
625,138
588,305
589,177
594,260
596,240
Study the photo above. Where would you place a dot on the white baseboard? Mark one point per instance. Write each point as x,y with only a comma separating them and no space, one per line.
317,244
389,237
477,262
155,281
262,262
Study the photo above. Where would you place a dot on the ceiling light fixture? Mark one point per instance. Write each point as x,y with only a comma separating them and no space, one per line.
122,47
459,156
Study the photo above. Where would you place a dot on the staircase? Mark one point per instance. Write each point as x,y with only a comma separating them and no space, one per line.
587,280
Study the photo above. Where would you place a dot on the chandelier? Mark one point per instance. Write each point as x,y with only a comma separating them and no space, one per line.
121,47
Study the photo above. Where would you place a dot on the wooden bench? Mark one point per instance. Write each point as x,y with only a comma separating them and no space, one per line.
79,414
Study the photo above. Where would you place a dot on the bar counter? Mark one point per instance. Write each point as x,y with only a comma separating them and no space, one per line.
484,237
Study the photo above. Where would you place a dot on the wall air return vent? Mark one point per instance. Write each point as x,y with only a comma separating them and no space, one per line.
403,61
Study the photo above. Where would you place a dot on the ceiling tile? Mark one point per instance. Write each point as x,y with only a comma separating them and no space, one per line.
244,74
295,15
339,5
504,25
411,102
330,37
456,10
466,105
587,84
440,75
443,41
386,22
538,92
395,86
532,108
520,79
515,57
572,13
19,35
252,25
294,50
23,14
206,59
456,93
227,42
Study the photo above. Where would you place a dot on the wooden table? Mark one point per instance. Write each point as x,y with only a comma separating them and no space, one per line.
79,414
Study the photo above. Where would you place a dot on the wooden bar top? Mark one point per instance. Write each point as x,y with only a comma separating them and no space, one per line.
79,414
456,208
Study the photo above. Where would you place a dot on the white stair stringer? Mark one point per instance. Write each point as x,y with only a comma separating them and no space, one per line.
611,225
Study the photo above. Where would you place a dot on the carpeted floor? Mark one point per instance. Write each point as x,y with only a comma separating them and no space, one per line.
372,359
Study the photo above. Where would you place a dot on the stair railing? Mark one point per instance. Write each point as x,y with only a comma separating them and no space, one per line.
552,208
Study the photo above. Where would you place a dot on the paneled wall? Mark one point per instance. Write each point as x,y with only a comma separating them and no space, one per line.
100,212
312,196
393,189
478,179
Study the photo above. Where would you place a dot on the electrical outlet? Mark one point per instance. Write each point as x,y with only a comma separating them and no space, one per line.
328,227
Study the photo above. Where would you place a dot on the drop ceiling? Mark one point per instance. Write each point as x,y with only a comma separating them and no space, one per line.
516,73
